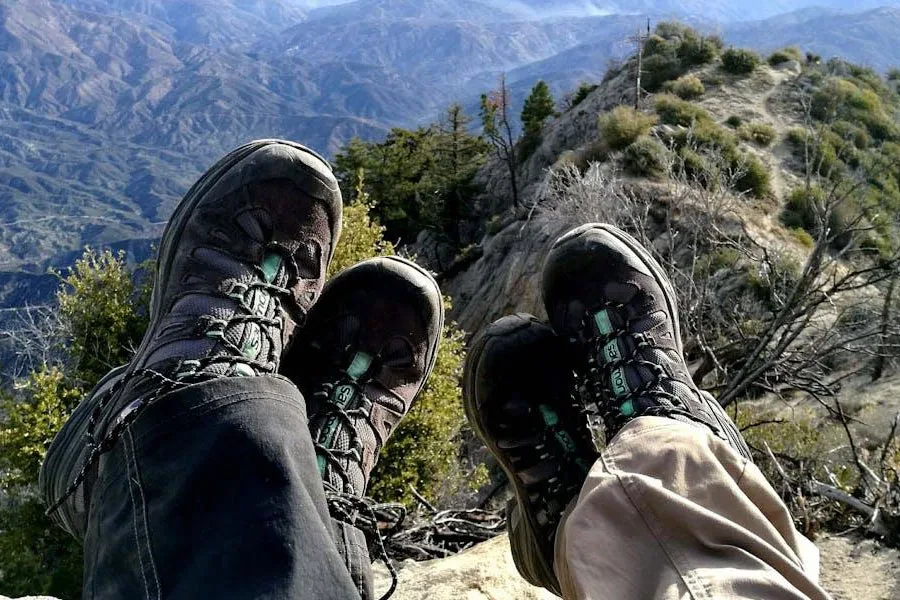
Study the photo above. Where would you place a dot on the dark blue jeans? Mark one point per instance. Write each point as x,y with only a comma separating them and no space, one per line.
213,492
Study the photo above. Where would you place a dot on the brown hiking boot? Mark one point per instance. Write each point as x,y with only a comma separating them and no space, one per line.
610,298
518,399
242,260
367,350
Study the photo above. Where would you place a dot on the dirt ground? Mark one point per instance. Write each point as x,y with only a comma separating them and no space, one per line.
859,569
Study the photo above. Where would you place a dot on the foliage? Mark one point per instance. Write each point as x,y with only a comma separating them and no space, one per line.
673,110
362,237
645,157
45,401
672,51
37,556
538,107
695,168
103,315
739,61
420,178
734,121
893,74
578,96
804,209
853,133
685,87
752,176
98,303
759,133
857,99
623,125
784,55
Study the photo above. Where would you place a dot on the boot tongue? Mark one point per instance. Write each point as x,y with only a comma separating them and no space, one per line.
630,376
334,433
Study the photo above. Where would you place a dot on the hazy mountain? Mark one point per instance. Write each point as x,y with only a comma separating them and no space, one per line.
213,22
706,10
97,143
868,38
110,108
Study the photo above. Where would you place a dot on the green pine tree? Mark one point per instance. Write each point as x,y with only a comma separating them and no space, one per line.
539,106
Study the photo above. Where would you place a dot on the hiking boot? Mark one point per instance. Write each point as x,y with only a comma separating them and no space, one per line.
610,298
242,260
367,350
518,399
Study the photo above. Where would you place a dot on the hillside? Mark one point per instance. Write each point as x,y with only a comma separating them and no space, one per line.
110,108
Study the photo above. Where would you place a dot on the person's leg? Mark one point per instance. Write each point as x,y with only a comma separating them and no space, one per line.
213,493
191,473
683,506
675,507
675,492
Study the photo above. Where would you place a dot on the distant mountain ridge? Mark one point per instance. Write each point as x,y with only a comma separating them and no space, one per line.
110,108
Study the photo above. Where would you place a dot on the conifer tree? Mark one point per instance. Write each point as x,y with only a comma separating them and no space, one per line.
539,106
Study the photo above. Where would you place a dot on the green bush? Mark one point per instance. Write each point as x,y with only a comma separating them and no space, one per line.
672,51
708,135
734,121
857,99
686,87
798,136
623,125
584,89
822,153
802,209
853,133
753,176
893,74
803,237
104,314
784,55
762,134
645,157
881,127
696,168
672,110
658,69
695,49
739,61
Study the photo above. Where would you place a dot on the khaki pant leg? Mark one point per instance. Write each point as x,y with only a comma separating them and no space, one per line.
670,511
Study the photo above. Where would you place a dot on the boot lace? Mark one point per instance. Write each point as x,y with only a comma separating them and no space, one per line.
650,398
346,503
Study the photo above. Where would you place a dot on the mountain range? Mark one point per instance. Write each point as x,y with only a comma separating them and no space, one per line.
110,108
